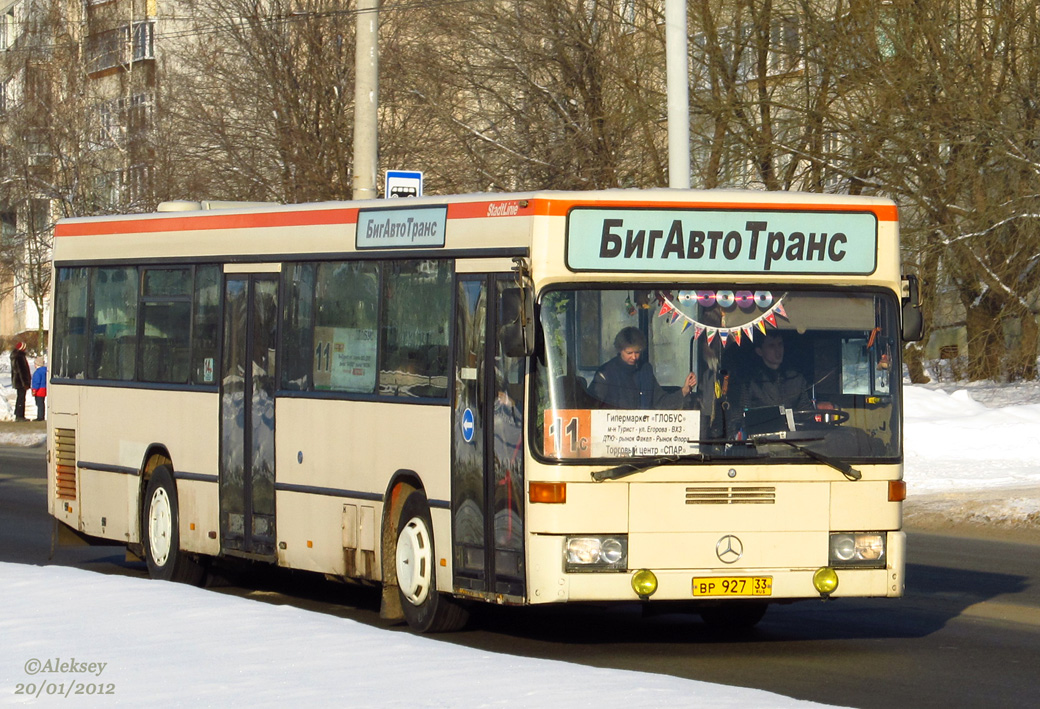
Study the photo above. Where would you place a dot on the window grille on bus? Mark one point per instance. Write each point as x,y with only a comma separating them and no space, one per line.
65,463
730,495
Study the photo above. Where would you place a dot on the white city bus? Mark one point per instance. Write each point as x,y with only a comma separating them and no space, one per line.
412,394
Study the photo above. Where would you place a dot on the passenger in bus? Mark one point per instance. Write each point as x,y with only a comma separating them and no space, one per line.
627,381
770,383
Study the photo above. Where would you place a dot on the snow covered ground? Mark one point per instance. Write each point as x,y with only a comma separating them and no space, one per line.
136,642
972,455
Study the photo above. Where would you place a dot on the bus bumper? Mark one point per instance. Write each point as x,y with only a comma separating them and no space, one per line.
551,583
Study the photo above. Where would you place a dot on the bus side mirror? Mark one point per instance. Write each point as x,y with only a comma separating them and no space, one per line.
913,322
516,322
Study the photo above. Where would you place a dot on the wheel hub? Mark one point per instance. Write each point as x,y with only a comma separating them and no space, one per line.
160,526
414,562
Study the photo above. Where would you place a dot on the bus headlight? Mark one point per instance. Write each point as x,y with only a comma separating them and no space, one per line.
595,553
857,549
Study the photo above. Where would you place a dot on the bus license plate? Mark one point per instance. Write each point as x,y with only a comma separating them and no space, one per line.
733,586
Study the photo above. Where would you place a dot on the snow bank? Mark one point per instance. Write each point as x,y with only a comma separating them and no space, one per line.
150,643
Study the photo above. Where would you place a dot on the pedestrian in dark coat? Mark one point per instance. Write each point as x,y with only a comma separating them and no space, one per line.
21,379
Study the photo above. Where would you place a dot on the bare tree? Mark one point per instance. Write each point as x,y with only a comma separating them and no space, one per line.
256,100
957,147
932,104
547,94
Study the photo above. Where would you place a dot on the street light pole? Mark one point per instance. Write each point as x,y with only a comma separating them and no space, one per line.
677,75
366,100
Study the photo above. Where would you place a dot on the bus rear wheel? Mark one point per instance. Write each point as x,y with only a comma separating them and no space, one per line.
160,534
425,609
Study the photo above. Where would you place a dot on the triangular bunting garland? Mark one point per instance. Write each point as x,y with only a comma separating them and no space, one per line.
674,315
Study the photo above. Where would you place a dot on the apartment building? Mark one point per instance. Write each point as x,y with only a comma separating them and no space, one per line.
77,95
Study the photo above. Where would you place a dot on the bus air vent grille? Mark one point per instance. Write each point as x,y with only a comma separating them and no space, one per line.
65,463
729,495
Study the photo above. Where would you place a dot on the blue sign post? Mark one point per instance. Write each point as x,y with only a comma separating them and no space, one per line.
403,183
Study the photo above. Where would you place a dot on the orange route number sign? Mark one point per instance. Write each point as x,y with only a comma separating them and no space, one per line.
568,433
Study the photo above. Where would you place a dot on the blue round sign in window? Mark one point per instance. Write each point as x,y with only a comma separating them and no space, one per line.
468,426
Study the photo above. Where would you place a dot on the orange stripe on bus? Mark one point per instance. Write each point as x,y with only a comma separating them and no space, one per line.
884,212
560,207
310,217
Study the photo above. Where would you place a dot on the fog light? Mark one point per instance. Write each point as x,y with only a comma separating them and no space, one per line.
644,583
825,580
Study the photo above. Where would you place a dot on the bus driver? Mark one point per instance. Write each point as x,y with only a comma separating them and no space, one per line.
627,381
772,384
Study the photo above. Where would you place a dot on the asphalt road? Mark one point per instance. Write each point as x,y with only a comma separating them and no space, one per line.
967,634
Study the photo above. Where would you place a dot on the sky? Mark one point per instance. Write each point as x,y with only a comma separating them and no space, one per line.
972,454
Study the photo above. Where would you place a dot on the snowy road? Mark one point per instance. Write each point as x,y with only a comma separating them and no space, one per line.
966,634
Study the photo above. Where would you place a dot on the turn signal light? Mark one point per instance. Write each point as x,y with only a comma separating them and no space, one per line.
896,490
553,493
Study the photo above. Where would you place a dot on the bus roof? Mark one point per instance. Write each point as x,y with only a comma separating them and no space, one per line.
233,215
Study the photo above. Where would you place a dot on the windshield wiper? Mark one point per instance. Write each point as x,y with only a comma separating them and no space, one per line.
841,466
626,469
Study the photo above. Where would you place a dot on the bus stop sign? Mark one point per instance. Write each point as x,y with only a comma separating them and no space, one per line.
402,183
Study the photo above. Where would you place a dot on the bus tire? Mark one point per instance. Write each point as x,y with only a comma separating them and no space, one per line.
160,534
734,615
425,609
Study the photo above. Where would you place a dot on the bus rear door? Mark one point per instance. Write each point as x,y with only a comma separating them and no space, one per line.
247,387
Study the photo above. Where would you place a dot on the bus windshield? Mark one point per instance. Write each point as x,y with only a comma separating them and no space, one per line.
700,372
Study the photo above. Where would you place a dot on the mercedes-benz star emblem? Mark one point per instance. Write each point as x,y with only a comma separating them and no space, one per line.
729,549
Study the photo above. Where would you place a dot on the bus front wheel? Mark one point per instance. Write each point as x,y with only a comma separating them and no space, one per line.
425,609
160,535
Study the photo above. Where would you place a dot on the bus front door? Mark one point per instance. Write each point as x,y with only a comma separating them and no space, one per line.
487,486
247,386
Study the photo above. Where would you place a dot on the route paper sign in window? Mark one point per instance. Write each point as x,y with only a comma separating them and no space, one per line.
345,359
617,433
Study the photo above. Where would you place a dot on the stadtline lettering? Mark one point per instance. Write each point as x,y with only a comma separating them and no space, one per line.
408,229
774,246
503,209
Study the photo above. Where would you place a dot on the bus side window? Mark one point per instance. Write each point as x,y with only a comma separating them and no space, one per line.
165,325
346,313
69,358
414,328
114,323
206,324
297,325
